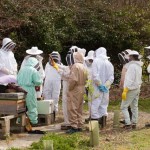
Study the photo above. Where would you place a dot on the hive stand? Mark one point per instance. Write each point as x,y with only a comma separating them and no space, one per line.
45,119
8,124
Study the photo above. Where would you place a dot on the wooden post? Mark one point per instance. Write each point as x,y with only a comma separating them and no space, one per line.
48,144
94,133
116,119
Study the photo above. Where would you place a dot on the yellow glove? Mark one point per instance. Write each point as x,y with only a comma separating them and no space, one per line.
53,63
124,94
55,66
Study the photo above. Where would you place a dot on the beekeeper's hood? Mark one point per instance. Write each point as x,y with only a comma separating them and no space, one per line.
82,51
73,49
78,57
7,44
56,56
33,62
90,55
70,59
133,52
101,53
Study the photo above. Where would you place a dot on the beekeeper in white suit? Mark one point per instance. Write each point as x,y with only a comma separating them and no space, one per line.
65,73
8,64
132,84
35,52
103,77
52,84
88,62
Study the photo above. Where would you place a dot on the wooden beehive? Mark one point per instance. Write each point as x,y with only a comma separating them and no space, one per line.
12,106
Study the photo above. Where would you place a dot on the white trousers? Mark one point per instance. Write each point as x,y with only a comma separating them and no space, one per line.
64,102
52,91
99,106
132,101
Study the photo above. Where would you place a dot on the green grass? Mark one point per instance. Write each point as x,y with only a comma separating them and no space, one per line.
114,140
144,105
109,140
64,142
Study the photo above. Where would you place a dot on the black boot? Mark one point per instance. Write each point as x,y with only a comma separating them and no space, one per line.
54,115
103,125
87,120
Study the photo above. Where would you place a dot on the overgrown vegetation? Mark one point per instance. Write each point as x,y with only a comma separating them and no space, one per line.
58,24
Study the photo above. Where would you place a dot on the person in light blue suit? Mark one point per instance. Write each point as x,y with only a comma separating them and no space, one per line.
29,77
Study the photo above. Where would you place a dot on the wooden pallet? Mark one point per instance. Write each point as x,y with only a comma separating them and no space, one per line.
45,119
8,124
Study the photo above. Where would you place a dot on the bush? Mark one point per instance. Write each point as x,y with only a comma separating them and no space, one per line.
56,25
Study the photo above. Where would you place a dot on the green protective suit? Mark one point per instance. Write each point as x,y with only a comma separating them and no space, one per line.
28,77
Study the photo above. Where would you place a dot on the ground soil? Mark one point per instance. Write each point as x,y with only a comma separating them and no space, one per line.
23,140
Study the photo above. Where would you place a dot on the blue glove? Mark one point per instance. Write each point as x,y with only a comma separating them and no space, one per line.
103,88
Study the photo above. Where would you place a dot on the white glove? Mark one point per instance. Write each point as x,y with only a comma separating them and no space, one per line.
108,84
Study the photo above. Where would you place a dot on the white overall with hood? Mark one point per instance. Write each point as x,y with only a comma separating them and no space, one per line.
102,74
65,72
52,85
133,81
8,64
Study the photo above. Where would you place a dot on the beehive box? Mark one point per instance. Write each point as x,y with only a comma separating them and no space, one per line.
12,106
12,96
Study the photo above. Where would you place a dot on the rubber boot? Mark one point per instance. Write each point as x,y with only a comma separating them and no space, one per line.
100,122
54,115
87,119
103,125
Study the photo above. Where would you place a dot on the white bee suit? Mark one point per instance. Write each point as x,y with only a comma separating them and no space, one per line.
52,85
102,74
65,72
88,65
133,81
8,64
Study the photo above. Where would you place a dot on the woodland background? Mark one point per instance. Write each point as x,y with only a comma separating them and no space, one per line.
56,25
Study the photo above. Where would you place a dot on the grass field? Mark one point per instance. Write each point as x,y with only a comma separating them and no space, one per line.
110,139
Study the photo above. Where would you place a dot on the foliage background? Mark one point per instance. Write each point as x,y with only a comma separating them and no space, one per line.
56,25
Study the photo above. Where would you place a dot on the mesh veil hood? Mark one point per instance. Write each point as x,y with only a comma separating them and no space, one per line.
8,44
31,62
